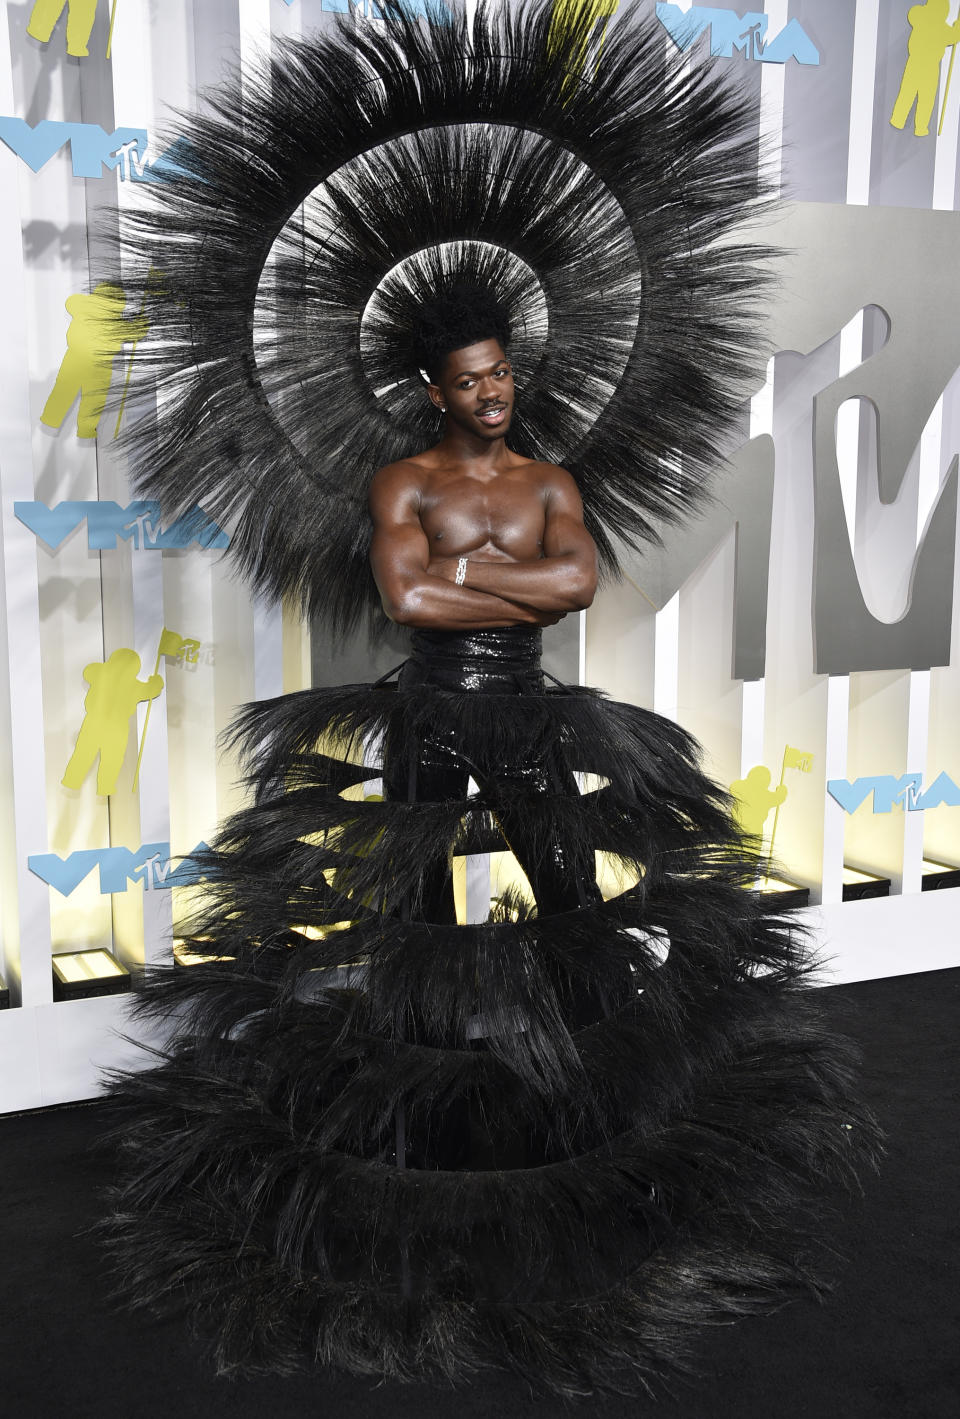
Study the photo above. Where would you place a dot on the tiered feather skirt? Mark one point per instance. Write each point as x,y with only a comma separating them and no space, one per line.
556,1139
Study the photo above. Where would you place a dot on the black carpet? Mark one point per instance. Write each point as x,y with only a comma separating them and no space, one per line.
884,1346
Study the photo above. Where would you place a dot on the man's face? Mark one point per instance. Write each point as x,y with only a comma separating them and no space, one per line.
476,387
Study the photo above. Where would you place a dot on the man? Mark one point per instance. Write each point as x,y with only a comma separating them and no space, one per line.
516,524
471,537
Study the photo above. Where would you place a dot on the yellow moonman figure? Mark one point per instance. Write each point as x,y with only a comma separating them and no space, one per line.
112,698
753,800
80,17
930,37
96,335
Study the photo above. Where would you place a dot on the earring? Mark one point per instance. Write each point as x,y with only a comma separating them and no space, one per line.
443,408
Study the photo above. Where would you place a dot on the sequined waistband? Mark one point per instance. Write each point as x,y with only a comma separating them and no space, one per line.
514,645
504,658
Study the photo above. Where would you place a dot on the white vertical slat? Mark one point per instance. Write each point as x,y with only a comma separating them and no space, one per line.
772,79
154,786
848,423
666,635
478,885
581,648
132,73
945,161
189,703
255,36
135,105
838,686
267,650
751,727
761,405
186,51
859,150
753,692
918,721
254,17
666,659
861,101
834,824
918,712
27,946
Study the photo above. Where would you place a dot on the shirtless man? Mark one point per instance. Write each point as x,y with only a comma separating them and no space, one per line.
469,536
518,523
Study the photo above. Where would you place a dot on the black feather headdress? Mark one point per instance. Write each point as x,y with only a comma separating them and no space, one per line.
318,201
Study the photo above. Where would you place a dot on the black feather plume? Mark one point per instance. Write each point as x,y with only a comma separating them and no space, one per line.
553,1141
322,203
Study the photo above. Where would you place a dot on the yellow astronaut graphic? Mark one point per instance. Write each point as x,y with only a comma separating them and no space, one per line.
754,798
80,17
930,37
97,333
115,691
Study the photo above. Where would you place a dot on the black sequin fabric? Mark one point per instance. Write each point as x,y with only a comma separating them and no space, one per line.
435,768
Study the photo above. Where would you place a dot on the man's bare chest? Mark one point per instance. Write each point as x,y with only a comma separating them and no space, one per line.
462,514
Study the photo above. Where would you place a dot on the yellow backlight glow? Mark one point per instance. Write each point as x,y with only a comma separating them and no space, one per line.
74,966
851,876
930,867
184,956
775,884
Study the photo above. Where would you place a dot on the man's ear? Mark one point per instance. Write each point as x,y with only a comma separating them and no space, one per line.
437,397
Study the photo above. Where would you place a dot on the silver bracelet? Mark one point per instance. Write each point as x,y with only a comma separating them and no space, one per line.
461,575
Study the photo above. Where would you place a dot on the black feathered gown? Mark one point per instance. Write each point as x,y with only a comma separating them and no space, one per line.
555,1141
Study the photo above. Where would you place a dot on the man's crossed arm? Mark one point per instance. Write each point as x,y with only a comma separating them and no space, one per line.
419,591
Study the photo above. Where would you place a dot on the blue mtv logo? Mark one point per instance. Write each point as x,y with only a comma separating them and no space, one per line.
888,790
139,523
92,149
149,864
732,33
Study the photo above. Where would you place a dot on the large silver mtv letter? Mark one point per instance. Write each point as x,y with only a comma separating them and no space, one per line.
846,635
743,501
842,260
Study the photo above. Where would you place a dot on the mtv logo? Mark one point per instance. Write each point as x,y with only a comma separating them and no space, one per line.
92,149
149,864
744,34
139,523
135,164
888,790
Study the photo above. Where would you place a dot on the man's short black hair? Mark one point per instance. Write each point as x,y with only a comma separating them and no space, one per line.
459,316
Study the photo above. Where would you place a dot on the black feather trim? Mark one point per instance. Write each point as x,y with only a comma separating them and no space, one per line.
556,1141
284,264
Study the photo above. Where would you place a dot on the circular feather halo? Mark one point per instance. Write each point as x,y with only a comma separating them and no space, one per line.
318,199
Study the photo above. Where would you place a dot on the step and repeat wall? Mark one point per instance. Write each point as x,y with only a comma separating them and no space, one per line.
803,629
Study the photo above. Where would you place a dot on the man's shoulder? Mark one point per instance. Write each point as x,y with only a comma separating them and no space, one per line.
552,476
404,471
